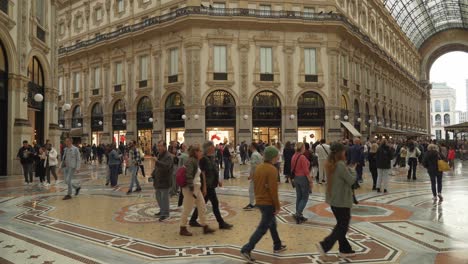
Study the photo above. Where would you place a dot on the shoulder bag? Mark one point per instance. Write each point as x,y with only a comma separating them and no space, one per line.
293,173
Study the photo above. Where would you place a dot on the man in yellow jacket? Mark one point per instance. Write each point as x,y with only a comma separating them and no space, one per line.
266,197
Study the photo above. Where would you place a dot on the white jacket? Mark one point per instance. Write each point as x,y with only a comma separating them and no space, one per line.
53,161
322,151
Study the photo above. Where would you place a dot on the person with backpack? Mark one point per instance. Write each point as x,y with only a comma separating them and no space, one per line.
430,162
412,155
210,171
302,180
384,158
26,157
194,191
162,174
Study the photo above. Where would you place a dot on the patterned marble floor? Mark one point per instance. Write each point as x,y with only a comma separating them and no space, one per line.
104,225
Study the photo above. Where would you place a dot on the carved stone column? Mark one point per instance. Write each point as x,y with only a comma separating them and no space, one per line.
130,95
244,108
158,110
289,124
332,126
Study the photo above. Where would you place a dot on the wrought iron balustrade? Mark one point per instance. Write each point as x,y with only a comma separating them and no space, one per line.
172,79
220,76
143,84
311,78
267,77
118,88
96,91
76,95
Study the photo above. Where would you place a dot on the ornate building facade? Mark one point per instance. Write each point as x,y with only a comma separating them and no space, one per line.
28,97
234,70
443,113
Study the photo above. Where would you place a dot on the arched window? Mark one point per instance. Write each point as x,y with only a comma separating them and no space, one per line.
446,105
97,117
77,120
119,114
266,109
311,110
438,120
437,106
447,120
144,113
220,109
344,106
35,84
174,111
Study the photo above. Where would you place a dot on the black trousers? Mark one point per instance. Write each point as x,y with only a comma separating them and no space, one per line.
413,163
213,198
373,171
343,216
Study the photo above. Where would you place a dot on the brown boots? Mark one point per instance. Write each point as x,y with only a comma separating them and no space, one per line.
184,231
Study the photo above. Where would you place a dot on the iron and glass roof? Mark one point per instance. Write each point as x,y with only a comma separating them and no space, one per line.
420,19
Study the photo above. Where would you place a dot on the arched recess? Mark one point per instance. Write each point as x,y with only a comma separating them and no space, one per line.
174,110
77,118
310,116
97,123
36,86
145,124
266,117
119,122
220,116
357,114
4,70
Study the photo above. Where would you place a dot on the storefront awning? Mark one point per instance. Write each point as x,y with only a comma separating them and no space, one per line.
76,132
351,128
388,131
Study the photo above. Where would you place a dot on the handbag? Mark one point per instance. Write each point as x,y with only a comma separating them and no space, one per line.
442,165
293,174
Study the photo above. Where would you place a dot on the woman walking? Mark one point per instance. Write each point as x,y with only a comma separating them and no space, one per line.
412,159
384,161
41,164
194,192
51,163
430,163
255,160
288,153
302,180
339,196
373,164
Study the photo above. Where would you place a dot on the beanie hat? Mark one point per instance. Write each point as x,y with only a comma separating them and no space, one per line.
337,147
270,153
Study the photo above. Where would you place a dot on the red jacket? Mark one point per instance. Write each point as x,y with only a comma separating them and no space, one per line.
303,164
451,154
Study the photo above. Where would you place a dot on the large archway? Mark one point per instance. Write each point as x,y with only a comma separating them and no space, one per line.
220,117
3,109
119,122
36,107
145,124
175,125
310,117
266,117
97,121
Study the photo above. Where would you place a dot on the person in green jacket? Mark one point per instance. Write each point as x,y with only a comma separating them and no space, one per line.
339,196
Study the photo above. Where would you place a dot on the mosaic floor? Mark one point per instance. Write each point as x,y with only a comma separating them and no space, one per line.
104,225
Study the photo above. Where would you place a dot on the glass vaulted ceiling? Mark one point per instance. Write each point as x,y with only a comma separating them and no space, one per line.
420,19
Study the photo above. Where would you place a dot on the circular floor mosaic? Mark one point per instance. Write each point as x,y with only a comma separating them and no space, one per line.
142,213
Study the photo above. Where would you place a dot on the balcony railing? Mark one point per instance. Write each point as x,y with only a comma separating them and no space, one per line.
96,91
4,6
311,78
143,84
237,12
40,33
220,76
172,79
76,95
345,82
267,77
117,88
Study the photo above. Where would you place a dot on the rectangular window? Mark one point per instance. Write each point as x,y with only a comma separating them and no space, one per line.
76,79
438,134
120,6
265,10
60,86
220,59
309,11
144,68
309,62
118,73
97,78
99,14
219,8
40,12
174,62
266,60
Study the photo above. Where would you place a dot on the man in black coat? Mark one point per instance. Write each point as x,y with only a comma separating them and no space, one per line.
210,169
162,179
26,157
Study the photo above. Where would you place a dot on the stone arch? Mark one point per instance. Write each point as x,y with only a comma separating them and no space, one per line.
319,92
138,99
279,95
166,95
10,51
45,66
440,44
211,90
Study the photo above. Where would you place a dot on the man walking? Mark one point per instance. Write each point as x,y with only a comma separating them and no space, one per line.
162,179
134,161
71,163
26,157
322,151
266,196
356,157
210,169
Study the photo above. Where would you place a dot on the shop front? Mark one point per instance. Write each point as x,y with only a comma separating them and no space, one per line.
145,124
310,117
97,121
119,123
175,125
266,118
220,116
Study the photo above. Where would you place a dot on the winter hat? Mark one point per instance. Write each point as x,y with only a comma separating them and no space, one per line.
270,153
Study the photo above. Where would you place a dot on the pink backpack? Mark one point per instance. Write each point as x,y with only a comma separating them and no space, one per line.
181,176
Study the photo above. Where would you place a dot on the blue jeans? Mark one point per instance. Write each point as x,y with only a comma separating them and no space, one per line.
68,175
436,177
359,172
162,196
114,174
302,193
227,168
134,177
268,222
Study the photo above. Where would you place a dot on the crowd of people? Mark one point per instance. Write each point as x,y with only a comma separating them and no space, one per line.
338,165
